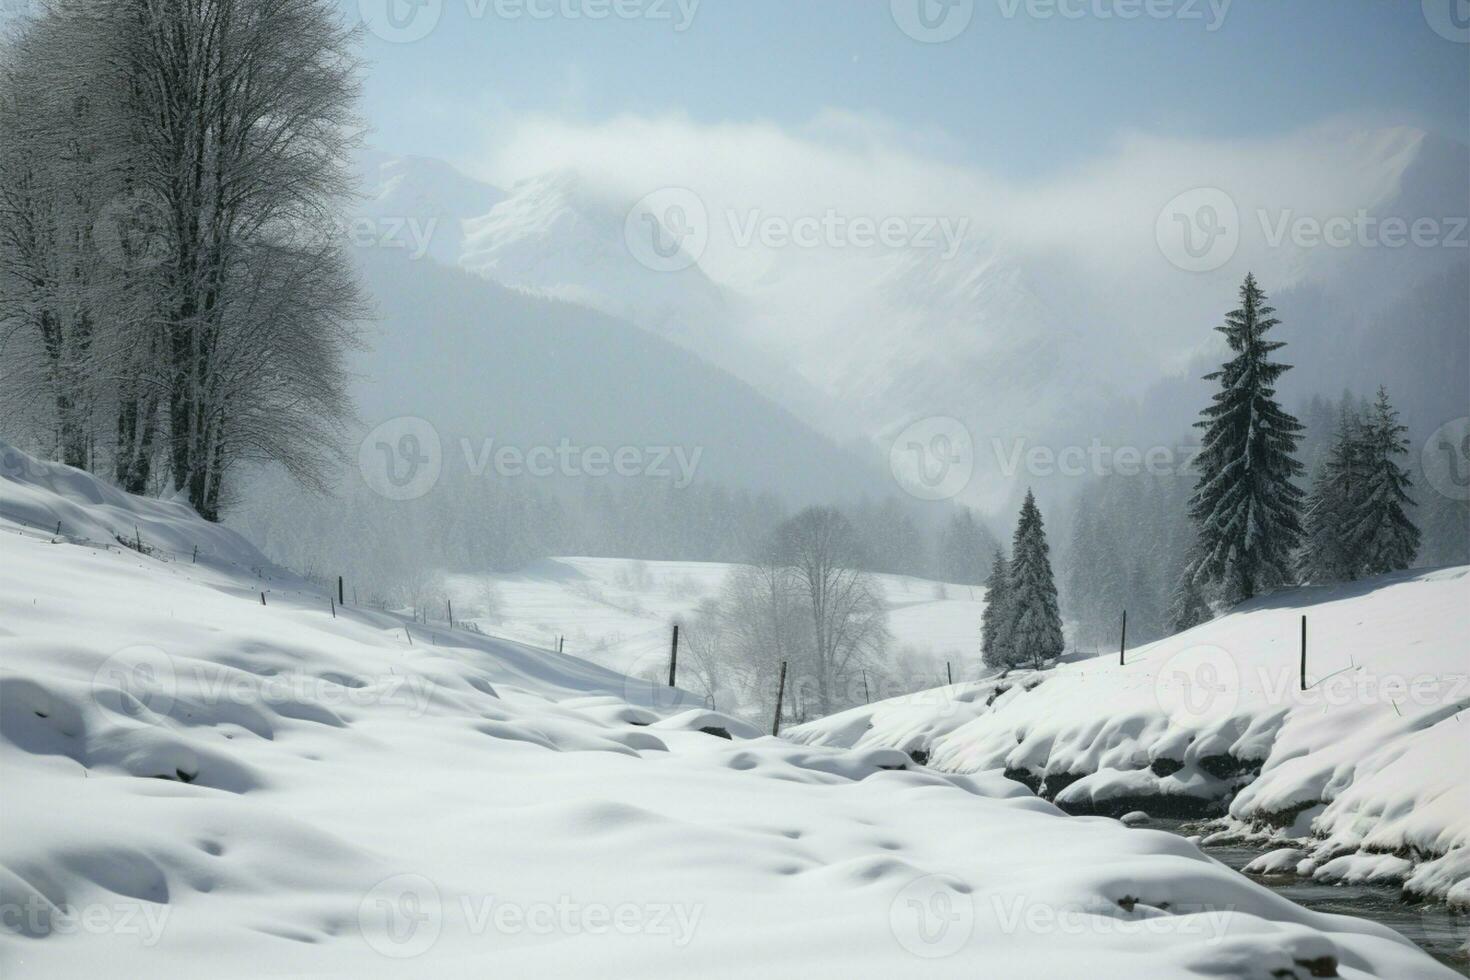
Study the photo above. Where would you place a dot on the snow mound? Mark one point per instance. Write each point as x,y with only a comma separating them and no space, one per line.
1369,758
199,784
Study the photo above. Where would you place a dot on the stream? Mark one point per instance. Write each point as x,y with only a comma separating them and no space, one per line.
1439,932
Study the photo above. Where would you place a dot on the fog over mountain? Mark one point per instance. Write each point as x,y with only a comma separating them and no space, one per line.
1040,315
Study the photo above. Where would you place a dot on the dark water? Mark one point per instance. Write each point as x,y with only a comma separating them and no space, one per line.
1439,932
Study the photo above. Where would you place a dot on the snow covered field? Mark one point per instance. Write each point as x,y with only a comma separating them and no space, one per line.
618,613
199,784
1365,770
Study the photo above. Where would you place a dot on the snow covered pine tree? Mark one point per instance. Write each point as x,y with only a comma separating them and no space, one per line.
995,621
1381,536
1327,554
1246,506
1035,633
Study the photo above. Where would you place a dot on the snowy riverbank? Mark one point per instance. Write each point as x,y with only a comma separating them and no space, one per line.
1363,770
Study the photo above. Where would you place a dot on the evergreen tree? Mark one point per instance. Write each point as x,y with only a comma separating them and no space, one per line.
1035,634
994,625
1328,554
1246,506
1381,535
1188,606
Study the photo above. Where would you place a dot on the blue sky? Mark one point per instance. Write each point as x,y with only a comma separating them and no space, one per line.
1025,92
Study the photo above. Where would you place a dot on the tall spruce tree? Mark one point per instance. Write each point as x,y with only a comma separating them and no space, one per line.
1035,634
995,622
1381,535
1246,506
1328,555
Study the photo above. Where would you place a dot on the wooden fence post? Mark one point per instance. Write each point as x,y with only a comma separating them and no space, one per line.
1304,652
340,600
867,698
1123,640
674,656
449,605
780,695
949,671
262,598
334,607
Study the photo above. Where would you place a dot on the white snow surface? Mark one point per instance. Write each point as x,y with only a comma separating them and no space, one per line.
618,613
196,784
1371,757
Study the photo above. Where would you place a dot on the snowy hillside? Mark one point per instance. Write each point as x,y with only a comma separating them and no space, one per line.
202,782
618,612
1365,768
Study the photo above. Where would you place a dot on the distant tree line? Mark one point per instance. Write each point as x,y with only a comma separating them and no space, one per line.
1175,550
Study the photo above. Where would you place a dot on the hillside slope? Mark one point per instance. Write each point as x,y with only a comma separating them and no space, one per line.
1367,764
199,782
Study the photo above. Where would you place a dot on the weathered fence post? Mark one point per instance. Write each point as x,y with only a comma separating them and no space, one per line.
1304,652
334,607
949,671
340,600
1123,640
674,656
194,560
449,605
780,695
867,698
262,598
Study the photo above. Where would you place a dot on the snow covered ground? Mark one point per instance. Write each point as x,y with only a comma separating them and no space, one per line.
1365,770
199,782
618,613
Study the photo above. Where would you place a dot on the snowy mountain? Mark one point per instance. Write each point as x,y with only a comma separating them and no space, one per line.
1021,335
1362,770
212,769
529,370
